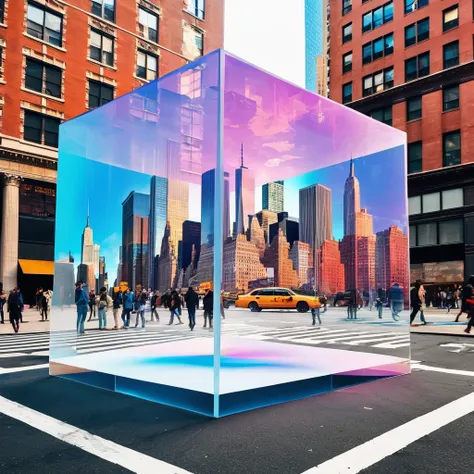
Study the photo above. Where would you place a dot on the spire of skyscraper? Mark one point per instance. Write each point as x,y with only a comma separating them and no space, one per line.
242,157
88,224
351,170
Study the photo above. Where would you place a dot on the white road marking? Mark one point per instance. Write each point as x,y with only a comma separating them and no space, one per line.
429,368
377,449
10,370
100,447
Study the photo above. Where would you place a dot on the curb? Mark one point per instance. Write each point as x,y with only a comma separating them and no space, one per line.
433,333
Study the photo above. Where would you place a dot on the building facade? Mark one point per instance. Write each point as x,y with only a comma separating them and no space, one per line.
59,59
409,64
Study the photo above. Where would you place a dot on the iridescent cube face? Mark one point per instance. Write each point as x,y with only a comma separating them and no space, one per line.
251,237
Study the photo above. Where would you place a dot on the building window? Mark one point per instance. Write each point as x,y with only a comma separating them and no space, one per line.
44,25
377,82
450,98
104,8
378,48
418,66
148,24
452,148
451,54
431,202
99,94
41,129
377,17
346,33
414,205
417,32
450,18
147,66
415,157
347,93
196,8
414,110
452,198
43,78
412,5
427,234
347,62
102,47
346,7
451,232
2,11
412,236
383,115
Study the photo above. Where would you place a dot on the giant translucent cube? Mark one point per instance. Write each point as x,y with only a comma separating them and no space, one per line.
285,213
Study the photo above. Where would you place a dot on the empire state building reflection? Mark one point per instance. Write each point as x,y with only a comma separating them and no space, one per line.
244,194
351,201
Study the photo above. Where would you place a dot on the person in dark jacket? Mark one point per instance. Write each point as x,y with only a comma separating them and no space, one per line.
468,298
396,300
175,307
192,300
117,304
3,300
154,303
416,303
92,303
128,301
140,308
208,303
81,299
15,307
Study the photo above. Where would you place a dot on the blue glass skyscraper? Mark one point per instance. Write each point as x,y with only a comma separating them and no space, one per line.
314,31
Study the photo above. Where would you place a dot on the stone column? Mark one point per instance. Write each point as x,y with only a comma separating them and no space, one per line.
9,236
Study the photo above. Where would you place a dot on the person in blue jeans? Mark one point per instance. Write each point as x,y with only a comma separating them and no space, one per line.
396,300
105,301
128,301
141,305
192,301
82,301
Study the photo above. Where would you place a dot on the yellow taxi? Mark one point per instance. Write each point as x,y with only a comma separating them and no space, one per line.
277,298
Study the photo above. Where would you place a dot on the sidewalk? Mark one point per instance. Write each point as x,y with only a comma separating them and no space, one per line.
440,323
31,323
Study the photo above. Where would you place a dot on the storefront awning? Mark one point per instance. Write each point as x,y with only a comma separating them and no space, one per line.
37,267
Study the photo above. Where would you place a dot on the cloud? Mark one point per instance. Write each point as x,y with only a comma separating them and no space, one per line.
113,240
280,146
274,162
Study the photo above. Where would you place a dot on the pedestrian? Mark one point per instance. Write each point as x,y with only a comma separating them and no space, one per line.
117,304
128,302
208,304
468,297
175,308
192,300
45,303
154,303
380,301
315,312
416,303
104,303
396,300
92,303
140,306
3,300
372,298
457,297
450,300
352,305
222,305
81,299
422,295
15,308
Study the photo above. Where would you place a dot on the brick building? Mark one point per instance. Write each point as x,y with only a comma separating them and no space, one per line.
409,64
59,59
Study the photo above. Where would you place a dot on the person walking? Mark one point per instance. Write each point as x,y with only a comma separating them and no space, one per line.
463,307
15,307
208,304
45,302
92,303
380,301
104,303
468,297
154,303
128,302
117,304
222,305
396,301
315,313
175,307
416,303
3,300
140,307
192,301
81,299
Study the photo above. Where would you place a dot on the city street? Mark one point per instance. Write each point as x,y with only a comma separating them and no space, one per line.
54,425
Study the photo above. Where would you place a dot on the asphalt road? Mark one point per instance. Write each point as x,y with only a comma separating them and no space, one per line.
288,438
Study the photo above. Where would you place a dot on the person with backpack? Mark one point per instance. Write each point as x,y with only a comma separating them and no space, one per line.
82,300
117,304
192,301
104,302
175,308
